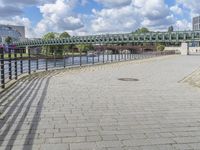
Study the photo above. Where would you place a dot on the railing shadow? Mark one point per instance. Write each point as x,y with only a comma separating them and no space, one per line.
24,101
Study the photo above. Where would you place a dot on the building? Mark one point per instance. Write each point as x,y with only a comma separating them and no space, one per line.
196,23
15,32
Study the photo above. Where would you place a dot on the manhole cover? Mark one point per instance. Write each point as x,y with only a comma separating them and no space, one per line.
128,79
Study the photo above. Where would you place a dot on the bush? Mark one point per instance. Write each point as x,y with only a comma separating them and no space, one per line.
160,47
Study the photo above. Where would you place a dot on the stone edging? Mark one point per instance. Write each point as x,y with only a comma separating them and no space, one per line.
193,79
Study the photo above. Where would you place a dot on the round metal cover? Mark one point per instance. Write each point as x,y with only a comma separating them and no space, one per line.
128,79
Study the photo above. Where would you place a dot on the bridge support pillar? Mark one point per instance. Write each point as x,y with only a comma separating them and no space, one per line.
27,49
184,49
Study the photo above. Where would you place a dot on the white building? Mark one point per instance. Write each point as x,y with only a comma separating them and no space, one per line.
196,23
15,32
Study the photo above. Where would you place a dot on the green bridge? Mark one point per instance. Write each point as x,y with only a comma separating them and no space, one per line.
151,37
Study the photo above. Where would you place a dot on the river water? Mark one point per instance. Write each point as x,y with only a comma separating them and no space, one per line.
68,62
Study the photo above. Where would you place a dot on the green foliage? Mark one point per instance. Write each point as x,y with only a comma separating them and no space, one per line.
58,49
48,49
50,35
63,48
160,47
171,29
8,40
142,30
85,47
64,35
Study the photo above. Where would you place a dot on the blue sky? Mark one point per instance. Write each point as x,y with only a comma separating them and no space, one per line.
82,17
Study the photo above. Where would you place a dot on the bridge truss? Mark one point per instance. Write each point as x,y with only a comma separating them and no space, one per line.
151,37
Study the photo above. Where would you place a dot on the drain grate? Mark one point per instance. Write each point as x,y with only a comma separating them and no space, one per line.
128,79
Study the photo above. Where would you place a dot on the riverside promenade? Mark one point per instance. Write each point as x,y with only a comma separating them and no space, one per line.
91,109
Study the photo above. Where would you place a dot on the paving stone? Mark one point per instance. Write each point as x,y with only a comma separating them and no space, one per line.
182,147
54,146
64,134
93,138
109,144
109,137
53,140
90,108
73,139
187,140
83,146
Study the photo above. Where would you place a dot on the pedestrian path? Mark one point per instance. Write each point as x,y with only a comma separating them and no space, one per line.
91,109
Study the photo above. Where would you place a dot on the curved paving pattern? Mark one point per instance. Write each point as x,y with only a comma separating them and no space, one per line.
91,109
193,79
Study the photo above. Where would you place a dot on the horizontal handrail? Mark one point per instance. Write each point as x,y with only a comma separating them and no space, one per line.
11,68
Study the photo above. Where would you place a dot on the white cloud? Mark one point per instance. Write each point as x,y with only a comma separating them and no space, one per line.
152,9
115,19
183,25
159,24
176,10
58,17
154,14
114,3
9,11
22,21
115,16
192,5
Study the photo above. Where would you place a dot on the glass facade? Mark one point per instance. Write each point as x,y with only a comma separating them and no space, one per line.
196,23
6,31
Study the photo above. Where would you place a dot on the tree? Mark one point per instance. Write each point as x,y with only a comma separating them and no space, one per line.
85,47
63,48
8,40
64,35
49,50
142,30
171,29
160,47
81,47
50,35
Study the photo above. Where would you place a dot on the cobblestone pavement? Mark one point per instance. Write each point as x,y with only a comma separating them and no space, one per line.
90,109
193,79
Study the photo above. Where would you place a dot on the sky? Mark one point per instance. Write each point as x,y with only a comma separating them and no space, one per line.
86,17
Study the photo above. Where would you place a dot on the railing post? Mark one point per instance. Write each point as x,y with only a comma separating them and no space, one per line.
118,55
64,59
87,61
93,57
10,63
125,55
107,56
115,54
46,62
29,60
80,57
103,56
112,56
54,57
98,56
15,58
72,56
131,54
37,61
21,61
2,68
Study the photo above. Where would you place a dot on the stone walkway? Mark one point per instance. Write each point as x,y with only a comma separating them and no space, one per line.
90,109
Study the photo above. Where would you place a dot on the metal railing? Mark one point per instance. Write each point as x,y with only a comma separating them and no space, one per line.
15,62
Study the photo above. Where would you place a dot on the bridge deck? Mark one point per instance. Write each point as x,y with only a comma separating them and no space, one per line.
151,37
91,109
